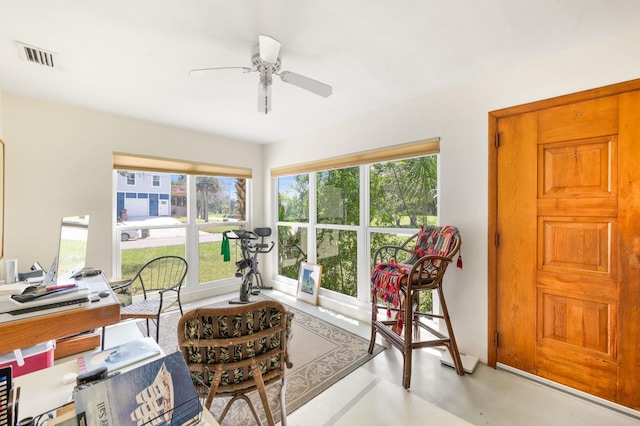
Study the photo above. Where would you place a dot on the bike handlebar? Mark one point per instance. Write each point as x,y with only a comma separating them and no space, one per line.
241,234
246,235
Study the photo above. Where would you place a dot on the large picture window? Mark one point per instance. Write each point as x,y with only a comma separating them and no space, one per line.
172,213
326,217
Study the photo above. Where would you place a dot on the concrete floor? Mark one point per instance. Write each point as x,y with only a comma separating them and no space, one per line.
373,394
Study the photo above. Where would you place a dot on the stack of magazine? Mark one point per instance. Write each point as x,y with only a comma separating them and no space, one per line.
119,356
157,393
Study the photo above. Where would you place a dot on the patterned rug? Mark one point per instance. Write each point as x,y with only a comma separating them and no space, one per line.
321,353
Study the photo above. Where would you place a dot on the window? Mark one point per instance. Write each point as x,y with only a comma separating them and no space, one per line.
175,213
338,196
293,218
338,204
403,193
326,217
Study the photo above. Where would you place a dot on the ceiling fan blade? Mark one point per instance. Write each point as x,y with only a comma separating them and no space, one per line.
207,70
264,98
306,83
269,48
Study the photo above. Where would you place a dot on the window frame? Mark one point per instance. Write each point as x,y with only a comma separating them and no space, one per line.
364,230
138,163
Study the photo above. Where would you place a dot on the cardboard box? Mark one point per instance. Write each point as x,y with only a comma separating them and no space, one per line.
33,358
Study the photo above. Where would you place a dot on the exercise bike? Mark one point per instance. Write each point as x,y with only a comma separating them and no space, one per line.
247,267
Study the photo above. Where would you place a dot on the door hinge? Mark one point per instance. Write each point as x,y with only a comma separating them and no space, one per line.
497,139
495,339
497,240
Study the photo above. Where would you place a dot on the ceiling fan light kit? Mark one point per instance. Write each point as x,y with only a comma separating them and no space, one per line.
265,60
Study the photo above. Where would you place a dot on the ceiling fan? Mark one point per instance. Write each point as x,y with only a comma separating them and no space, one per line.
265,60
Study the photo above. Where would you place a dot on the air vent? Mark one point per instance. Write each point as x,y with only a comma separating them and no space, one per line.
37,55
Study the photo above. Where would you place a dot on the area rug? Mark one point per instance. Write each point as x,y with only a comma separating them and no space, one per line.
321,354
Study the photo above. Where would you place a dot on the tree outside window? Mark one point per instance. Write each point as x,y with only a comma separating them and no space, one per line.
159,217
401,194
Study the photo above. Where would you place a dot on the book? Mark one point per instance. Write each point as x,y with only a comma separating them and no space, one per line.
159,392
5,399
119,356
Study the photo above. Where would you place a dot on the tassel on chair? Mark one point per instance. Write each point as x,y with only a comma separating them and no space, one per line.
459,263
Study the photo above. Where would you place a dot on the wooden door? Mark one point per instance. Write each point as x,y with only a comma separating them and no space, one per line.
568,245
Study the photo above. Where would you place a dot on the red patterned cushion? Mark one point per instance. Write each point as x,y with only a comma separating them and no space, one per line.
435,241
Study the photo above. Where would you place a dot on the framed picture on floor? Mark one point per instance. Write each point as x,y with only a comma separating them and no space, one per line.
309,282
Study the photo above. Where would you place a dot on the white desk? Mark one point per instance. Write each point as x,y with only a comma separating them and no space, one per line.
43,391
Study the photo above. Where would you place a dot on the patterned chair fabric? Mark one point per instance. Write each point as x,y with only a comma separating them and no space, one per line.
231,351
387,278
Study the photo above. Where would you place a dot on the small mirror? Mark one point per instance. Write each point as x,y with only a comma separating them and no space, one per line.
72,251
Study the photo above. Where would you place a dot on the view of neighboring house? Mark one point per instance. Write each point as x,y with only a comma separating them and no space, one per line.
143,194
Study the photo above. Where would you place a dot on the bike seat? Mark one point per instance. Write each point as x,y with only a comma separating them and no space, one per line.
262,232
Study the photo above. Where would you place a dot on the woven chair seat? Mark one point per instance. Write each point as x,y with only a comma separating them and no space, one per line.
145,309
160,280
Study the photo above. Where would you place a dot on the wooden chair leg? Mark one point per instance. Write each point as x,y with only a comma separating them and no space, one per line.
374,317
408,342
213,387
452,346
262,391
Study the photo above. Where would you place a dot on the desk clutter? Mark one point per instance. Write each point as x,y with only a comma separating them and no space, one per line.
9,398
157,392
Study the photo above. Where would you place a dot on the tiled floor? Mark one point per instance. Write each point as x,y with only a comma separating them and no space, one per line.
373,394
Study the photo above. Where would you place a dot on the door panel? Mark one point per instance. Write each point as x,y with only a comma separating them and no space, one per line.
516,210
565,254
580,120
629,249
575,245
577,169
576,160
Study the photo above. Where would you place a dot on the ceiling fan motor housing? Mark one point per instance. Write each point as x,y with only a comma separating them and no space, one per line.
258,63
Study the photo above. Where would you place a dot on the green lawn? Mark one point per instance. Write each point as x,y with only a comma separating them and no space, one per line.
212,266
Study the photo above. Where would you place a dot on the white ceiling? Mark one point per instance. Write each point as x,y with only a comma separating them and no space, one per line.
132,57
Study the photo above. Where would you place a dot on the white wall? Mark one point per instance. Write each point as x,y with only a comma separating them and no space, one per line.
0,114
459,116
59,162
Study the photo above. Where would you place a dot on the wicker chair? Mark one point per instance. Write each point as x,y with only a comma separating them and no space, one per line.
234,350
400,275
156,278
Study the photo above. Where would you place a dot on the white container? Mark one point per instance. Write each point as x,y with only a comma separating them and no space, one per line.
10,271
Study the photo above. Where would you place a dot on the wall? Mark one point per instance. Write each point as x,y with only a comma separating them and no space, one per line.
0,114
59,163
459,116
